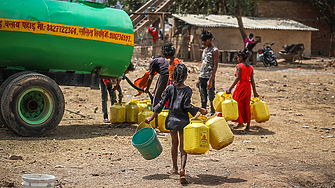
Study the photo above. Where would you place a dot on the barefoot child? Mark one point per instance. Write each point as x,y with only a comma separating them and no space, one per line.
180,104
242,93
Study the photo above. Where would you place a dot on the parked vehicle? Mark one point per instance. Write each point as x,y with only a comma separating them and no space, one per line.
267,56
46,43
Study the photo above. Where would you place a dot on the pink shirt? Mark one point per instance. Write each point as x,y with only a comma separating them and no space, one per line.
248,40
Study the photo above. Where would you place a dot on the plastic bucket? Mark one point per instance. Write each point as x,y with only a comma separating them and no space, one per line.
147,143
38,180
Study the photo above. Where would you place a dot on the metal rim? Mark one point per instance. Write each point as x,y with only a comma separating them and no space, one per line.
35,106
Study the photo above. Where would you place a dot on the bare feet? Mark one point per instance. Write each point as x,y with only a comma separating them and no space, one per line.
238,126
106,120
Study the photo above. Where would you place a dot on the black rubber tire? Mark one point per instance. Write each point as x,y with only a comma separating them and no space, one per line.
10,104
2,89
265,63
276,63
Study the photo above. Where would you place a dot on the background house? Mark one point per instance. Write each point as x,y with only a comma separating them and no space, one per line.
228,37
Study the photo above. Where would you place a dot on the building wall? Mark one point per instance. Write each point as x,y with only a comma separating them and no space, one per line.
302,11
230,38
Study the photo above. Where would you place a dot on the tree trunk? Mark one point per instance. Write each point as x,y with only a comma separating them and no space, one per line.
238,16
332,45
241,27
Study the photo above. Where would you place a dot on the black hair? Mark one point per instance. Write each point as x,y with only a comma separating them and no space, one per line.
156,56
131,67
168,49
251,35
205,35
179,73
243,53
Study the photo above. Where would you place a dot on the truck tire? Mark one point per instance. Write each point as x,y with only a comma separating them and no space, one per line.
2,89
32,105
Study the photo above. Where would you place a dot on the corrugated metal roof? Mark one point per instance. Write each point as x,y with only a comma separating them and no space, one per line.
248,22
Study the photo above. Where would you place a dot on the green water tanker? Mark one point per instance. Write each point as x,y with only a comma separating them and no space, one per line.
46,43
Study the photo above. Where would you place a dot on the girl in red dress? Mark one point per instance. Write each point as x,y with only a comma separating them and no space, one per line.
242,93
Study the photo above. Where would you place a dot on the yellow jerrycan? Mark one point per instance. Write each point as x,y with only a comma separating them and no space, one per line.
219,98
252,114
196,138
260,110
143,115
220,134
132,113
134,101
148,101
229,108
141,105
161,120
117,113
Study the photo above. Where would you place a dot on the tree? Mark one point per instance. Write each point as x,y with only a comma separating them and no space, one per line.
327,10
239,8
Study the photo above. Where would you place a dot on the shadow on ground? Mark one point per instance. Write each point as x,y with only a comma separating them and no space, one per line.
65,132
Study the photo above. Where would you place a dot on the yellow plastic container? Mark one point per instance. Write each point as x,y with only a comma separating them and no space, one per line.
229,109
161,120
143,115
141,105
148,101
117,113
134,101
261,111
132,113
196,138
219,133
219,98
252,115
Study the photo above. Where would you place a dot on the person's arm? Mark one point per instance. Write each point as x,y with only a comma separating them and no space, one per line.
216,63
253,84
238,76
158,108
146,90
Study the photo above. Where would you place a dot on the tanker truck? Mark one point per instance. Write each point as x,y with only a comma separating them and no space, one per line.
47,43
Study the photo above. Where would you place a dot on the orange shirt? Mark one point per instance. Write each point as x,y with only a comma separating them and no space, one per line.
171,67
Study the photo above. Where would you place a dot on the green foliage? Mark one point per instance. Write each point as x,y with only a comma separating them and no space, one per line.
132,5
213,6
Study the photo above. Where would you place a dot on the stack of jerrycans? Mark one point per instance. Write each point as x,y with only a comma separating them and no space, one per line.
227,105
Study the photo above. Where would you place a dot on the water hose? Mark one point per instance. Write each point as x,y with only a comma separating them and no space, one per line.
137,88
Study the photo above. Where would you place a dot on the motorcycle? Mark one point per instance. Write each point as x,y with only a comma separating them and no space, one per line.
267,56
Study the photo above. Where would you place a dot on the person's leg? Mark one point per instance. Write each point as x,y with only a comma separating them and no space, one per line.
203,92
211,96
160,87
112,94
183,158
174,150
248,127
104,100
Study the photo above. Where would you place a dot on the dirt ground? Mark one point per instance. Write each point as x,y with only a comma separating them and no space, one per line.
295,148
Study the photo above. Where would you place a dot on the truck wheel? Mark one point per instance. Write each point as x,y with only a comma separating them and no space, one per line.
2,89
32,105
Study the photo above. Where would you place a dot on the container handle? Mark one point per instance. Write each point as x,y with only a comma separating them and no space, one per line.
141,124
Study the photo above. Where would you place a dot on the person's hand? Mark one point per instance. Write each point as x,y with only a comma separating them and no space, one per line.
256,94
197,83
209,84
203,111
228,91
120,95
148,119
146,90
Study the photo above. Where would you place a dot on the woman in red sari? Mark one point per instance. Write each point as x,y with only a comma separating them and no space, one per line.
242,93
